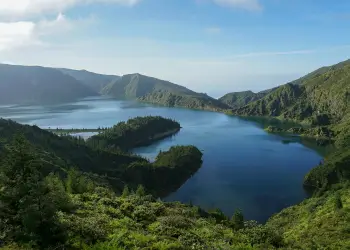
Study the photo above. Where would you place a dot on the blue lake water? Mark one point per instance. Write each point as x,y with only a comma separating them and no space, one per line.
243,166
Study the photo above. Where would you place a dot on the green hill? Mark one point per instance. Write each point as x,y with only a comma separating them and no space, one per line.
153,90
136,132
118,166
320,98
94,81
37,85
239,99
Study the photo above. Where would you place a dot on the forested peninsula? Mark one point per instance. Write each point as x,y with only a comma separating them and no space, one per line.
138,131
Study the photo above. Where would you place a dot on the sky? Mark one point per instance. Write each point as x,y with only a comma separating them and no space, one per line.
211,46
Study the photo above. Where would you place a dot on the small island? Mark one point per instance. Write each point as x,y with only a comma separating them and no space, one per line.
136,132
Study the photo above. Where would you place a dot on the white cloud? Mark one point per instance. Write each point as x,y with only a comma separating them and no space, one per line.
16,34
18,8
24,34
253,5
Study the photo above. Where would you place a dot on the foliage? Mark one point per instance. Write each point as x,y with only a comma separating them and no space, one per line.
135,132
240,99
169,171
320,98
28,200
317,223
336,169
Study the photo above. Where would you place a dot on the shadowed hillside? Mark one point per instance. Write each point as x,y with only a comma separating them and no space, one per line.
33,84
153,90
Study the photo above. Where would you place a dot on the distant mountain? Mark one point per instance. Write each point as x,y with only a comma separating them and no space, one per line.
156,91
94,81
320,98
239,99
33,84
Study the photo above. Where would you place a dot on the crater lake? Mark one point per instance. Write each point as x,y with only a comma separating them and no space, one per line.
244,167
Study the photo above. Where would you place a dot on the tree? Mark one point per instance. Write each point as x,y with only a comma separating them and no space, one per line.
140,191
238,220
27,204
126,192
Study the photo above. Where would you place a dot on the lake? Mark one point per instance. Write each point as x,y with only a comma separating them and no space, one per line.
243,166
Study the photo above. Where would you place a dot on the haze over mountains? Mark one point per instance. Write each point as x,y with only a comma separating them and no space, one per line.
319,97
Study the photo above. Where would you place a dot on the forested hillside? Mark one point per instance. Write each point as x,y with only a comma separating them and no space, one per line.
240,99
153,90
94,81
138,131
38,85
113,163
320,98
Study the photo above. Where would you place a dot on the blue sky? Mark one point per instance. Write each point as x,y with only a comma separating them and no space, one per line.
212,46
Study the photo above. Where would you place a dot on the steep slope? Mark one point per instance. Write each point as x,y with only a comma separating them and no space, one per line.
320,98
153,90
320,71
116,166
33,84
94,81
239,99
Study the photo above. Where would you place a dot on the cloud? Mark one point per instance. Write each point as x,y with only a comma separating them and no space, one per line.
213,30
252,5
26,33
16,34
20,8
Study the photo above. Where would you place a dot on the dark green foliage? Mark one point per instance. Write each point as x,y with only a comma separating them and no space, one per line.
28,84
135,132
118,166
153,90
126,191
237,220
169,171
140,191
240,99
319,98
338,202
29,201
336,169
62,152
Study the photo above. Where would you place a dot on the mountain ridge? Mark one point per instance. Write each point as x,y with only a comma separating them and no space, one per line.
37,84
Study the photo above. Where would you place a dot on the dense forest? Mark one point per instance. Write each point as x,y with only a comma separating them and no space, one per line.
113,165
138,131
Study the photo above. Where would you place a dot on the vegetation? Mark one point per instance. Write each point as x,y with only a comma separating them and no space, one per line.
320,98
153,90
114,166
135,132
95,197
42,210
240,99
28,84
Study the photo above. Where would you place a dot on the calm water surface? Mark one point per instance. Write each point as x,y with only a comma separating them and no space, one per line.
243,166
